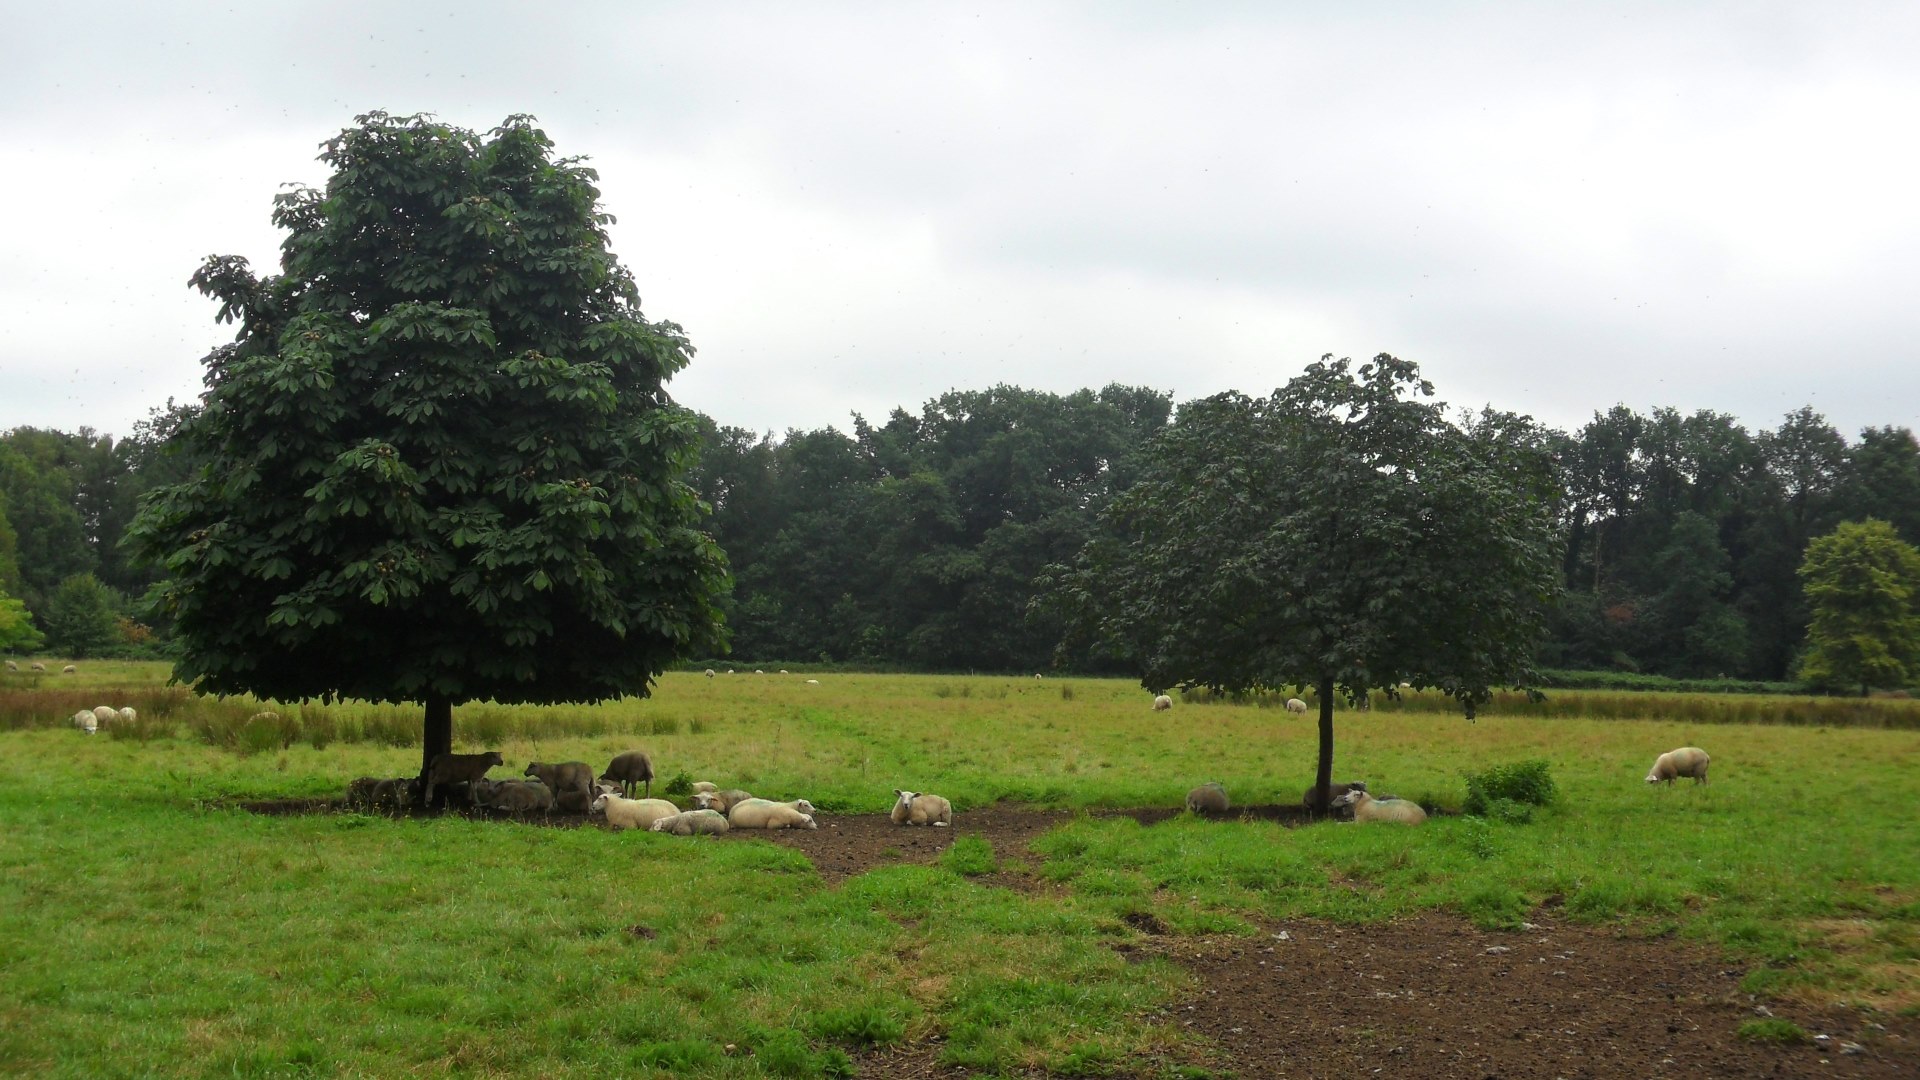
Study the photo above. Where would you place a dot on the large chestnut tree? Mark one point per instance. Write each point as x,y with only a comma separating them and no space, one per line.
438,462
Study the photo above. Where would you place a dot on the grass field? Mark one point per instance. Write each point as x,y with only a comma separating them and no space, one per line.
147,927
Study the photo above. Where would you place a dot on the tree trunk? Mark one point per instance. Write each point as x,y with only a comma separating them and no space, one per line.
439,740
1323,780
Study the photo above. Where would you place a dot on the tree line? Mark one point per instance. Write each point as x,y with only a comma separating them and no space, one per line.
917,543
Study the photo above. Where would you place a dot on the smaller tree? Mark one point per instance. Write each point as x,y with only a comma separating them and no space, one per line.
17,633
82,617
1863,584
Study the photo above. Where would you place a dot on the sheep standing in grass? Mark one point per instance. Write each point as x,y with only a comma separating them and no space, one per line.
568,780
36,666
450,768
1208,799
625,813
11,666
920,808
767,814
709,673
127,715
107,715
69,670
692,823
1686,761
86,721
628,769
1295,705
1162,703
1367,808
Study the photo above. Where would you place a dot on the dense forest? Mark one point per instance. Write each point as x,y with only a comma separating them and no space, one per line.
915,543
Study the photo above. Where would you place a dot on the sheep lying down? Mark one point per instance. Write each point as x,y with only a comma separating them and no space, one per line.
692,823
920,808
767,814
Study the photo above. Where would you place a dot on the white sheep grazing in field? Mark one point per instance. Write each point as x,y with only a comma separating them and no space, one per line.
693,823
127,715
767,814
11,666
1295,705
624,813
69,670
86,721
709,673
1686,761
1162,703
1367,808
920,808
36,666
106,714
813,682
783,671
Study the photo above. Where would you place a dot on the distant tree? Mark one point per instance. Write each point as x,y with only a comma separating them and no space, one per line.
81,617
438,462
1340,534
17,632
1882,480
1863,585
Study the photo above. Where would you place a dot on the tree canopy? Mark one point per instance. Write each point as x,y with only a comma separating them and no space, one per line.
1340,534
438,462
1863,585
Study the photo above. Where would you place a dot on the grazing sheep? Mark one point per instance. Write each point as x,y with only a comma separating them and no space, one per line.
1367,808
783,671
625,813
37,666
766,814
1295,705
628,769
709,673
563,777
86,721
106,714
11,666
127,715
360,792
1208,799
920,808
448,768
813,682
1162,703
69,670
692,823
1686,761
1334,791
758,671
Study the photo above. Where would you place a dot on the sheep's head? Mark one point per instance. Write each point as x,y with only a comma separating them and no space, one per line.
1354,795
494,758
703,800
533,769
804,807
599,805
905,797
1653,777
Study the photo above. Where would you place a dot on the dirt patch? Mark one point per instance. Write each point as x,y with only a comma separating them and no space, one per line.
1425,997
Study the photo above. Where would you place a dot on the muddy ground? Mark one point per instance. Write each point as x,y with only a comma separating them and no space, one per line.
1427,997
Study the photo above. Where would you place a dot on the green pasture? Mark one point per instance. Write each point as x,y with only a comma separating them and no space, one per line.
148,927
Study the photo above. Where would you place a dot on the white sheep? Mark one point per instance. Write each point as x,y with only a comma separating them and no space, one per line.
709,673
1367,808
1208,799
705,785
69,670
11,666
783,671
767,814
692,823
624,813
1686,761
813,682
127,715
1162,703
86,721
759,671
920,808
1295,705
106,714
36,666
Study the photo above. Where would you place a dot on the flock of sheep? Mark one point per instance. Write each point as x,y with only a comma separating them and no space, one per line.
41,667
571,786
91,720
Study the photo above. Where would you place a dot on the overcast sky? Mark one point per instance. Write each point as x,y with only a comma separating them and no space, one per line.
854,207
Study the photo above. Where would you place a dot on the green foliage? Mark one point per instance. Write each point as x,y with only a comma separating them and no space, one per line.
438,462
1773,1029
1863,584
859,1025
679,787
1506,792
17,632
81,617
970,856
1551,678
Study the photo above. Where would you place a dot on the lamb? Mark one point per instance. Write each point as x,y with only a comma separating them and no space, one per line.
1367,808
564,778
766,814
920,808
86,721
448,768
1208,799
1686,761
623,813
1295,705
692,823
1162,703
628,769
